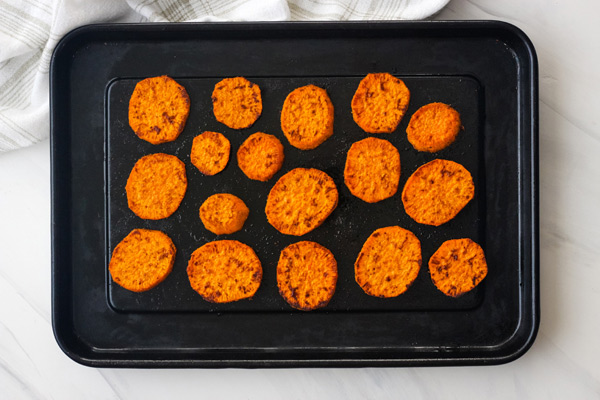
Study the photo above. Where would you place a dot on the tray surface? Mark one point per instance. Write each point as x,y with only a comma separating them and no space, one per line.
344,232
485,70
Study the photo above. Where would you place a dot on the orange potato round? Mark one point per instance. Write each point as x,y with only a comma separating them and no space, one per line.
433,127
158,109
237,102
210,152
142,260
223,213
301,200
260,156
389,262
372,169
380,102
437,191
156,186
306,275
224,271
307,117
457,266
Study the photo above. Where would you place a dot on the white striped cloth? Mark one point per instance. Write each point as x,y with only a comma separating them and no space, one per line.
29,30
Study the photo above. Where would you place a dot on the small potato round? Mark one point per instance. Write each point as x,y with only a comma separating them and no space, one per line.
223,213
307,117
210,152
306,275
260,156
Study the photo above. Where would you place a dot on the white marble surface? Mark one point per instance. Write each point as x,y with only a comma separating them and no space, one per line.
563,362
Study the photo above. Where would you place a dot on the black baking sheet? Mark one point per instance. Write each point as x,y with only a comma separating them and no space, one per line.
485,70
343,232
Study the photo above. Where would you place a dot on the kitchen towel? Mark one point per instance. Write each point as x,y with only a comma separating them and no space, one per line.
30,29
